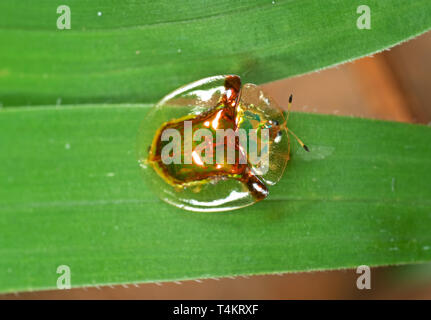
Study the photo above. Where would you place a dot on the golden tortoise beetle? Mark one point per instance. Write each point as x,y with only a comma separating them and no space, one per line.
195,178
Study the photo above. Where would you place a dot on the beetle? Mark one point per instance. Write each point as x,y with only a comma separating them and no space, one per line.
192,171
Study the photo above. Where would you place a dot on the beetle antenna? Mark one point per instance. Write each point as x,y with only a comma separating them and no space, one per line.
286,113
289,106
299,140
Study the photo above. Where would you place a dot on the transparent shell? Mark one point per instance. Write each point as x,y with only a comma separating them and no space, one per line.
212,187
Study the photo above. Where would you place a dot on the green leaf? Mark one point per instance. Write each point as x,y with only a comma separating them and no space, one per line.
137,51
71,191
72,194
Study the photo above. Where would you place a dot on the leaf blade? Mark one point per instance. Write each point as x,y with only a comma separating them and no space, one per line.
113,58
73,195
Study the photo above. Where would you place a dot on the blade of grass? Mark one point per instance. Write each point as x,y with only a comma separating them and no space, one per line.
134,51
72,194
